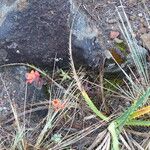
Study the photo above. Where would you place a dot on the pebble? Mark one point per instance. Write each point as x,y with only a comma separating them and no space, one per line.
132,17
114,34
132,1
111,21
142,20
13,45
140,15
117,40
146,40
3,54
17,51
142,30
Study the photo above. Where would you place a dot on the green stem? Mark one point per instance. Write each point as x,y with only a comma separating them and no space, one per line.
114,134
135,122
93,107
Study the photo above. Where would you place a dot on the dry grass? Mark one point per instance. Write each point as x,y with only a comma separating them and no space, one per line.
58,130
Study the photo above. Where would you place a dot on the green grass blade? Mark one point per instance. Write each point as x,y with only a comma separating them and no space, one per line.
138,54
114,134
93,107
134,122
115,126
121,121
18,140
46,128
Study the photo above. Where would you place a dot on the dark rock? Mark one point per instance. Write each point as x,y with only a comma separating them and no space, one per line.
13,88
85,42
37,32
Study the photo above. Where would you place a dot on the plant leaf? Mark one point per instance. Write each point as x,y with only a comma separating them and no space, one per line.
140,112
121,121
135,122
93,107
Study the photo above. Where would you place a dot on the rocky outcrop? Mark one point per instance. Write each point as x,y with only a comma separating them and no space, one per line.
37,32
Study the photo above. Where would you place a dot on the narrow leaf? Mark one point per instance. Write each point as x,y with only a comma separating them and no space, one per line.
141,112
93,107
135,122
121,121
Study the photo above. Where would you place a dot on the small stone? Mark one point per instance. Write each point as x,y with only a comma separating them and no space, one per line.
107,54
12,46
146,40
127,104
145,24
3,54
132,1
140,15
17,51
111,21
117,40
114,34
142,30
148,58
132,17
142,20
21,5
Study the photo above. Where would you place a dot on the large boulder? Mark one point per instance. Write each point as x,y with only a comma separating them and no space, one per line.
37,32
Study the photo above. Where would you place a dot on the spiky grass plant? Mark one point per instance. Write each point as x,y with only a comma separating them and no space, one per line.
19,139
41,135
138,92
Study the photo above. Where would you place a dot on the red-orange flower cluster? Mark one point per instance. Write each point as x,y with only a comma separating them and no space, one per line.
57,104
32,76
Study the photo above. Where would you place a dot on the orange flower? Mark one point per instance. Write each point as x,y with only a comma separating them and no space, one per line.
32,76
57,104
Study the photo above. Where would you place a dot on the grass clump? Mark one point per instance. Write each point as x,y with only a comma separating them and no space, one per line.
66,105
